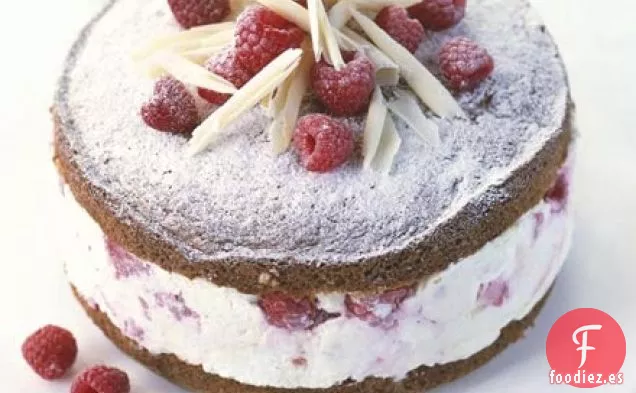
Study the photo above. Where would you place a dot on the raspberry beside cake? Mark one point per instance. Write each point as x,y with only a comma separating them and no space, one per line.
241,270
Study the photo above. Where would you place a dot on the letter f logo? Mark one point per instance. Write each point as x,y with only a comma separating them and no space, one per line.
583,344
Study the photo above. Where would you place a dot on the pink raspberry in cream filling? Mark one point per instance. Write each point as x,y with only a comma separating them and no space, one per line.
175,303
378,310
558,195
291,313
493,293
126,265
133,330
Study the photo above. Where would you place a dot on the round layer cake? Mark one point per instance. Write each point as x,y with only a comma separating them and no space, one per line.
238,270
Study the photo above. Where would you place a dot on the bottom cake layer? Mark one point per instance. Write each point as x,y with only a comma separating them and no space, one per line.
195,379
326,339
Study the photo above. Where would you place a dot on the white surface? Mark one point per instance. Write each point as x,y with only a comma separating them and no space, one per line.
465,320
598,43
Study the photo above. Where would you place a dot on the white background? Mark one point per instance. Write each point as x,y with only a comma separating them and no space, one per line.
598,42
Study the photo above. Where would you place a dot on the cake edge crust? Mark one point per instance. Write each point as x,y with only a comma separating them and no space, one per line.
194,378
459,237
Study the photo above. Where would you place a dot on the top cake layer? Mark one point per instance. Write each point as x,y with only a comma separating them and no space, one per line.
239,202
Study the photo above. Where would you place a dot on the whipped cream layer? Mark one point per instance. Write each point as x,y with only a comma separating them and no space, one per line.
451,316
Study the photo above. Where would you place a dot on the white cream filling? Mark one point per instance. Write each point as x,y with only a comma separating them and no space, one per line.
225,331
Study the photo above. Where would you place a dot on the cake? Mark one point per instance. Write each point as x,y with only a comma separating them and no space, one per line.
239,270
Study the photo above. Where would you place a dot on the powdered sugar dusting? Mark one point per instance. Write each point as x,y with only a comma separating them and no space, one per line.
239,200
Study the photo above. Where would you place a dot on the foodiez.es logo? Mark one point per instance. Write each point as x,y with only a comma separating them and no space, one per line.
586,348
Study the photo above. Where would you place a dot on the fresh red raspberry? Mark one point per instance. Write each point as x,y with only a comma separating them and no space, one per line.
378,310
191,13
322,143
439,15
287,312
396,22
348,91
171,108
50,351
101,379
225,66
464,64
262,35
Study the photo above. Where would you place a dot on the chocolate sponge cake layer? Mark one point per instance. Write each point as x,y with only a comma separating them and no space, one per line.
419,380
240,217
461,236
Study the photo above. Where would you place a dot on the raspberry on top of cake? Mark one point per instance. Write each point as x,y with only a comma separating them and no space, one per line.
277,53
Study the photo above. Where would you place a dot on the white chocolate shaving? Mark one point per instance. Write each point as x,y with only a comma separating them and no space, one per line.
377,5
289,10
211,28
373,127
388,148
387,73
201,55
267,102
424,84
191,73
340,13
278,99
194,48
347,43
150,69
266,81
170,41
329,37
407,108
282,128
315,30
221,38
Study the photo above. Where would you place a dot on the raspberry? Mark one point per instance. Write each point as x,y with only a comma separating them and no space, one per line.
405,30
378,310
262,35
464,63
175,303
191,13
225,66
299,361
133,330
50,351
493,293
322,142
171,108
348,91
125,264
438,15
287,312
101,379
